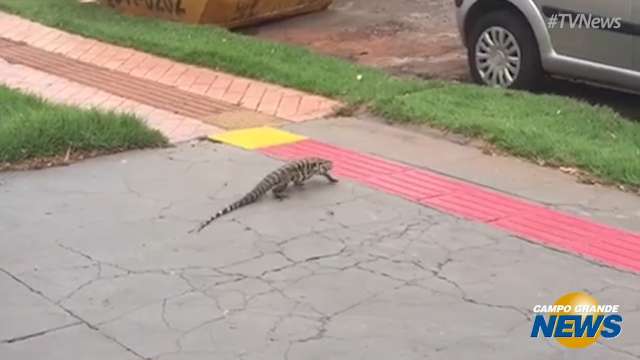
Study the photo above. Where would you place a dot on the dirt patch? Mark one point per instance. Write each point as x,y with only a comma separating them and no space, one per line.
417,38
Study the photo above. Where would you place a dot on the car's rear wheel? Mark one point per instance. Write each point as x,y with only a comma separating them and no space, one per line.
503,52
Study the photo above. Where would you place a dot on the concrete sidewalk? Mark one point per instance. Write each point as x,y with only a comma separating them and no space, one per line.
97,264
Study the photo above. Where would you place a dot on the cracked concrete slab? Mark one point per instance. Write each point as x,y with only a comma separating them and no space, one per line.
25,312
77,342
99,263
106,300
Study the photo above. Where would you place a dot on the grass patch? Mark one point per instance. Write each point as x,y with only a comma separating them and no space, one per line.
31,128
558,130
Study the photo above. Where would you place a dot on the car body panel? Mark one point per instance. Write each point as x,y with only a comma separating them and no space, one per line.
636,39
565,60
602,46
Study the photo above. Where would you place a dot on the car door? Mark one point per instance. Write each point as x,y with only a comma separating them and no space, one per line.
575,34
636,34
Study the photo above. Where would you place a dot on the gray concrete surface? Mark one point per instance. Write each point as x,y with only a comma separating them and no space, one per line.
97,264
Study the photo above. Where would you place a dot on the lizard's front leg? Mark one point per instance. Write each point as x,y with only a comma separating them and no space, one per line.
330,178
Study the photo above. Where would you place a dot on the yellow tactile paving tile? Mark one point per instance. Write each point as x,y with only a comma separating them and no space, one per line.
256,138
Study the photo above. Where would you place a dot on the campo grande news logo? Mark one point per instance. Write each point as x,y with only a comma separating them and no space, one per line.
576,320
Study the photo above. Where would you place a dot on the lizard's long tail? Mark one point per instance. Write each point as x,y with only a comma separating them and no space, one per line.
251,197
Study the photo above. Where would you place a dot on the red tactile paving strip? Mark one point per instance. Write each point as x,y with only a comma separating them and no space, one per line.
143,91
536,223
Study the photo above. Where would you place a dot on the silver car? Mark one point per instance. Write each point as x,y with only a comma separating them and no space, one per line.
513,43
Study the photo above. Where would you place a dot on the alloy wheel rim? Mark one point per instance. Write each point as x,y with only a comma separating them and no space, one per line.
498,57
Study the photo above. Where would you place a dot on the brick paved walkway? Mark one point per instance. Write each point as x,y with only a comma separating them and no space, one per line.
182,101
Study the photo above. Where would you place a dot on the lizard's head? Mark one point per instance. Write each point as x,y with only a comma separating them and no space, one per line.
323,166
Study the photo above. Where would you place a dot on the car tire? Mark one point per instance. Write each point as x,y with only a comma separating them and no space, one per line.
529,74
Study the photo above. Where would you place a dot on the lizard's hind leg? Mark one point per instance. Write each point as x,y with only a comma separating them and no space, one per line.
279,191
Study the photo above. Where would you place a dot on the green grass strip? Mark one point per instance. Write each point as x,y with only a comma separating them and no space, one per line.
32,128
